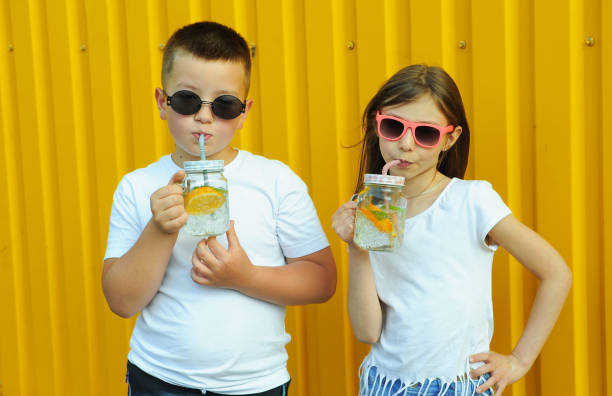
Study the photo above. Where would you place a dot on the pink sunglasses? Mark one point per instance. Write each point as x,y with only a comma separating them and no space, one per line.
425,135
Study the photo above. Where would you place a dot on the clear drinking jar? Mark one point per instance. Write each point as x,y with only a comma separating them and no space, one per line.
205,193
381,211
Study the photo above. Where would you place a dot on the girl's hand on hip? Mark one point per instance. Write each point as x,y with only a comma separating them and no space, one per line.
167,205
504,370
343,221
213,265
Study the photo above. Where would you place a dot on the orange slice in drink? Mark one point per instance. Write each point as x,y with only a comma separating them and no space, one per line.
203,201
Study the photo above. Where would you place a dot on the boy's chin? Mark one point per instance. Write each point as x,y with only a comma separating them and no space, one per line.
195,156
192,156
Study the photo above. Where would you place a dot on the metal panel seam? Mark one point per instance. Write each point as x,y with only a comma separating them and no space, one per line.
577,195
513,154
83,182
49,191
391,41
447,24
340,90
16,208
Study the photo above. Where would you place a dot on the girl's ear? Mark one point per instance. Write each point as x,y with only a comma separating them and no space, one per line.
451,138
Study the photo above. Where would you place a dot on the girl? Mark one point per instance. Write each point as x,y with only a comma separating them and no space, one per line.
426,308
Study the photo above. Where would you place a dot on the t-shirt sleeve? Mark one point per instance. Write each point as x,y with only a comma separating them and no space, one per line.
298,227
489,208
125,227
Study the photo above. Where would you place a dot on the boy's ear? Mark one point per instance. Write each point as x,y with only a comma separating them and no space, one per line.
160,99
451,138
243,116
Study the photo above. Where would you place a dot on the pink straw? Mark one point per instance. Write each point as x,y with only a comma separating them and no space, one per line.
385,169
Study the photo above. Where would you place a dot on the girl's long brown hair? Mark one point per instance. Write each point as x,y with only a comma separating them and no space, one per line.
405,86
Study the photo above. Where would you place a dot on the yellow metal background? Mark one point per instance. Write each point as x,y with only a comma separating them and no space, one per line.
77,112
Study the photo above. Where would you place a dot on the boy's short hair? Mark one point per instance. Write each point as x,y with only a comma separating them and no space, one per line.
209,41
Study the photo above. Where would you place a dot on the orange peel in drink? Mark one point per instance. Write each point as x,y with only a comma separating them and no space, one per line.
379,218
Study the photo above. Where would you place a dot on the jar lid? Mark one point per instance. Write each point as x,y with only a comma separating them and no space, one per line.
373,178
203,165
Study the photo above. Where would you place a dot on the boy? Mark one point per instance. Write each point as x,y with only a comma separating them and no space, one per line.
212,310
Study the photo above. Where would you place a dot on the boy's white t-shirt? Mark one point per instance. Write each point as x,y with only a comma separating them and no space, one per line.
206,337
436,289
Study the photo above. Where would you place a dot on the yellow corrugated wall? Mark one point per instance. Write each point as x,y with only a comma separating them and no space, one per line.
77,112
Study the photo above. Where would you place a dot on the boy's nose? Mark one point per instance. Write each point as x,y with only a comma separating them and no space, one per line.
205,113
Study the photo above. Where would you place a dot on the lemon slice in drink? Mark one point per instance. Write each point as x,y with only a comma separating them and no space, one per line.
203,201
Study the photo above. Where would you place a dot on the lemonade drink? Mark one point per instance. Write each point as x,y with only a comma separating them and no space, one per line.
381,212
205,198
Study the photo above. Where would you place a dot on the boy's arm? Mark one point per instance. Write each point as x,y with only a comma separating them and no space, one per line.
304,280
129,282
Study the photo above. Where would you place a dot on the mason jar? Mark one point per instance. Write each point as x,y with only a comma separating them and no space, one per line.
381,211
205,193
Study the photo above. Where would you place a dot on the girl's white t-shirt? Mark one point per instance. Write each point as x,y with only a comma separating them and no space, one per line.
207,337
436,289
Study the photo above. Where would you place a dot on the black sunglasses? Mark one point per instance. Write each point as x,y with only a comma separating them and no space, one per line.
186,102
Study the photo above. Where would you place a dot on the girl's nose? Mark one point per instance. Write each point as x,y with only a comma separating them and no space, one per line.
407,141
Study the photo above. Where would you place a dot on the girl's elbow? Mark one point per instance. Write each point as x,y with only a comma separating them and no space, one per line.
365,330
562,278
567,278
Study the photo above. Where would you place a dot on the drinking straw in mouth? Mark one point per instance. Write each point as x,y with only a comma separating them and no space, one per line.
385,169
201,144
202,156
385,172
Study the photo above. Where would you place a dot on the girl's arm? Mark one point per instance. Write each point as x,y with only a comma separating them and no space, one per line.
364,307
542,260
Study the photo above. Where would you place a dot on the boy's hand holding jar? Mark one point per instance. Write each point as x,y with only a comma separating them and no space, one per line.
167,205
213,265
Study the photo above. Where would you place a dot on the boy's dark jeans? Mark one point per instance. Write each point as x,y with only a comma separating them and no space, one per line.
143,384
